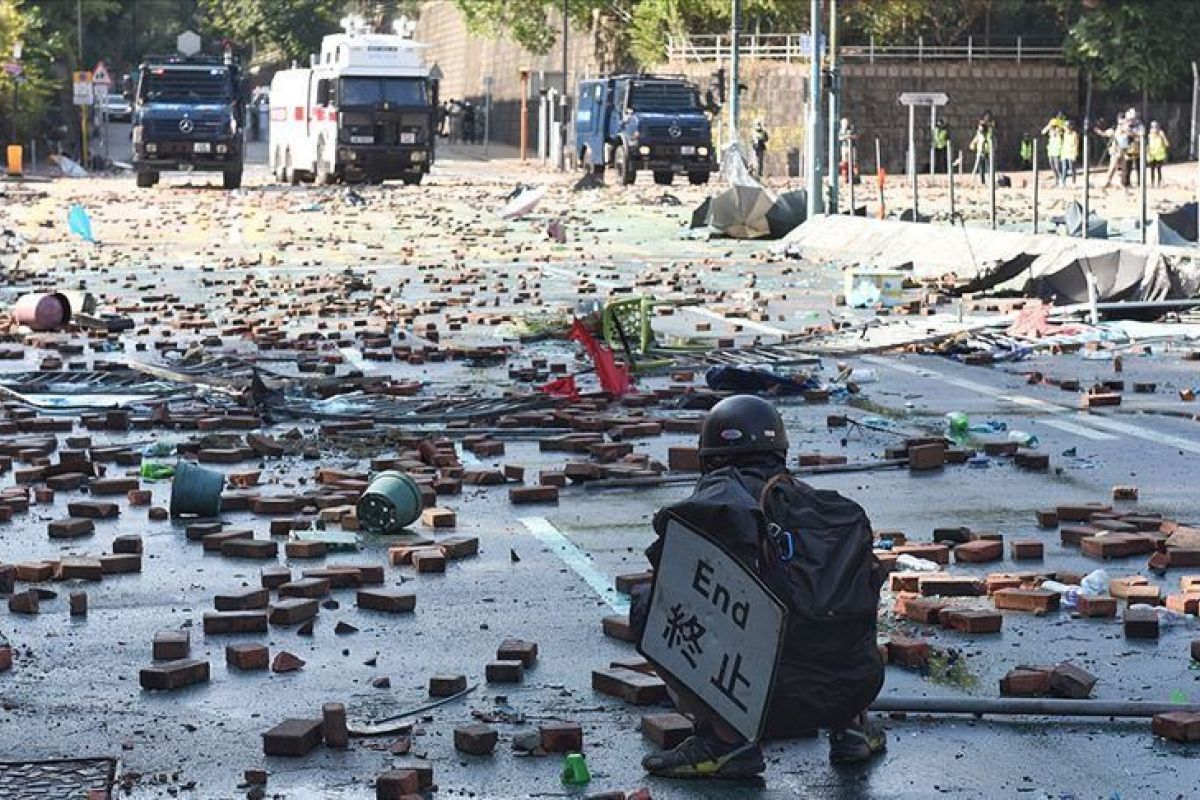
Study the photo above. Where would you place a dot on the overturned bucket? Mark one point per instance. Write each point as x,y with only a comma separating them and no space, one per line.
391,503
196,491
42,311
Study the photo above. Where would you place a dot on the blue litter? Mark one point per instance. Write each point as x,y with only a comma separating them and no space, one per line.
79,223
979,462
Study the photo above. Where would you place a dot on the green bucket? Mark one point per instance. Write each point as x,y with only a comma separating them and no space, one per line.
390,504
196,491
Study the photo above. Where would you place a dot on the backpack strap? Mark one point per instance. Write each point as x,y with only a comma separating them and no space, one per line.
779,544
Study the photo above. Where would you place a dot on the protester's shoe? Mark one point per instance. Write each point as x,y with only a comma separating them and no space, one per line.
858,741
706,756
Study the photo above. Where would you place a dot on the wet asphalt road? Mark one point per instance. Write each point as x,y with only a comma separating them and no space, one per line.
74,689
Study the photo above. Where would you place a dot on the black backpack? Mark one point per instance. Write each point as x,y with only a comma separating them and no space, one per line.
818,555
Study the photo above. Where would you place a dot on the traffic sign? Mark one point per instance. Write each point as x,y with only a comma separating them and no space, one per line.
12,69
924,98
81,88
188,43
100,75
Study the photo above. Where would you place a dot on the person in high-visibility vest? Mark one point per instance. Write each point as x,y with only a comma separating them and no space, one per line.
1156,153
1026,151
1069,151
941,143
1053,133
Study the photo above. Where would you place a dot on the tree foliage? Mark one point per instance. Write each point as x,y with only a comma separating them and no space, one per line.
1141,46
275,30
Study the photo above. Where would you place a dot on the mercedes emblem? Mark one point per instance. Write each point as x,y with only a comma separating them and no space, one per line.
186,125
675,131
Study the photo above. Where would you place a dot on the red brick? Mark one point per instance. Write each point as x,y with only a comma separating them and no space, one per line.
93,509
292,737
476,739
247,656
937,553
1141,623
292,611
171,645
971,620
305,587
1188,603
617,626
300,549
518,650
632,687
429,560
504,671
274,577
218,622
926,457
1025,682
439,518
447,685
71,528
1178,726
1027,550
1093,606
907,651
174,675
979,552
23,602
919,609
456,547
1070,681
79,604
385,600
127,544
333,726
250,548
397,785
561,737
286,662
525,495
683,459
78,568
1035,601
1047,518
5,658
932,585
246,600
666,730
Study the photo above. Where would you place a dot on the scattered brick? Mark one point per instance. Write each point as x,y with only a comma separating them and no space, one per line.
250,548
666,730
1027,550
333,726
1026,682
1092,606
979,552
305,587
1071,681
617,627
1141,623
397,785
247,657
525,495
171,645
439,518
429,560
71,528
79,604
286,662
93,509
174,675
504,671
1178,726
292,611
385,600
242,601
447,685
292,737
476,739
971,620
908,652
632,687
218,622
561,737
1035,601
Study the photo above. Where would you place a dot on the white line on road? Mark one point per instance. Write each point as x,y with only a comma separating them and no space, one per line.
745,323
574,558
1094,420
1078,430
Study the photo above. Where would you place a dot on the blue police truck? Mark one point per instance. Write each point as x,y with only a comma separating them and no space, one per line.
644,122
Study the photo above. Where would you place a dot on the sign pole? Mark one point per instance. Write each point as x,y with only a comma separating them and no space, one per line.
912,156
879,179
932,151
950,174
1142,181
992,176
1087,183
850,170
1035,185
813,173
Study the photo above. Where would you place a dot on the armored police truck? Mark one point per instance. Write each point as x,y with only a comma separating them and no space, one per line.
187,114
644,122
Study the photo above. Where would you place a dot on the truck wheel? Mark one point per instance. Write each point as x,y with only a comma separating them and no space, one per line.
146,179
232,179
411,178
625,170
322,176
289,174
697,178
664,178
591,165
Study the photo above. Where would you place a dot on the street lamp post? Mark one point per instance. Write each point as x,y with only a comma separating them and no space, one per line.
17,49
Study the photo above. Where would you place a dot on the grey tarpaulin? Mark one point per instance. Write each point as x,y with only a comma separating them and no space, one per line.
1182,220
1097,226
1117,274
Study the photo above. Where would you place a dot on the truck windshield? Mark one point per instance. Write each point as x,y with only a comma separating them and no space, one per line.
663,96
186,85
376,91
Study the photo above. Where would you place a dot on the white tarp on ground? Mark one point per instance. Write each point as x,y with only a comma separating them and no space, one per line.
975,255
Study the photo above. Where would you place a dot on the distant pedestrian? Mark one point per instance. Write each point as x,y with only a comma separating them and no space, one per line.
1115,150
468,123
846,138
759,142
1069,152
1054,133
941,145
1129,133
1157,148
455,124
1026,151
982,145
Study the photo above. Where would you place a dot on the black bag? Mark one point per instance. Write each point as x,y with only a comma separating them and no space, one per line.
819,558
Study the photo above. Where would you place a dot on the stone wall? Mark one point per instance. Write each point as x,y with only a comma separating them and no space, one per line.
1021,97
466,60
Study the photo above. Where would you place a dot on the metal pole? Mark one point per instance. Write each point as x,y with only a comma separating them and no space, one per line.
562,100
524,116
735,100
850,152
992,174
835,102
950,175
487,119
1028,706
932,151
1195,94
814,181
79,28
912,157
1142,180
1035,185
1087,163
879,178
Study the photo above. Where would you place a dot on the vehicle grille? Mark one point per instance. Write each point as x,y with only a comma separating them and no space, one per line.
664,131
170,128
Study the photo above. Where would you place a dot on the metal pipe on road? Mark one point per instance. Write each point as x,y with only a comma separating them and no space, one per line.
1034,707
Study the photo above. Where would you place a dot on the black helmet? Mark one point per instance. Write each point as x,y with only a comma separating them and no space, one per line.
742,424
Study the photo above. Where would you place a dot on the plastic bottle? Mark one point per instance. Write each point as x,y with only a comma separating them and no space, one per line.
914,564
575,770
958,423
157,450
152,471
1022,438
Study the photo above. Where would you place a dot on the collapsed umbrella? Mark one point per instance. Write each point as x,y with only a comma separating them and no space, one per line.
741,211
1117,276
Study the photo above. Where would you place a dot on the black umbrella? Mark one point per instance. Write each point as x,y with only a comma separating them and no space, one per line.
700,214
1097,226
1182,220
787,213
1117,274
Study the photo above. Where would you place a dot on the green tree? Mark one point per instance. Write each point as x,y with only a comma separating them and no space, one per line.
276,31
1143,47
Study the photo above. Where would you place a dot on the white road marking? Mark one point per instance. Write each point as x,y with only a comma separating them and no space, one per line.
745,323
579,563
1078,430
1084,420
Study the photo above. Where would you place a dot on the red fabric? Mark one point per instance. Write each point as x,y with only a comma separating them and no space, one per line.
563,387
614,379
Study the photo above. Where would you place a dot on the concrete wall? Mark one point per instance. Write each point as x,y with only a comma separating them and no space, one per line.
466,60
1021,97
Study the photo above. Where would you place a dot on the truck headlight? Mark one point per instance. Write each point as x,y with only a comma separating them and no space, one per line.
137,134
418,156
222,148
644,150
152,148
703,151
